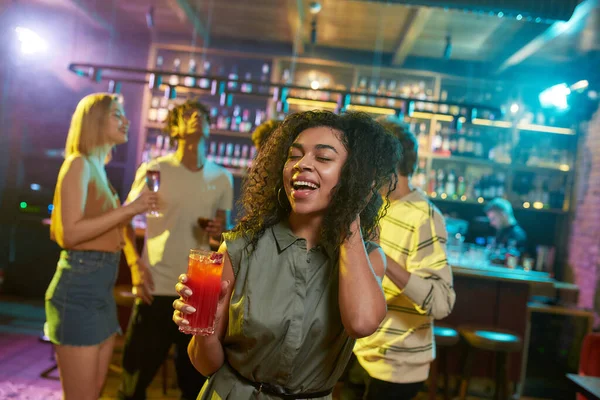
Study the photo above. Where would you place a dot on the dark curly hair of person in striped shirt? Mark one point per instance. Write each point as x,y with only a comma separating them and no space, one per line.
410,146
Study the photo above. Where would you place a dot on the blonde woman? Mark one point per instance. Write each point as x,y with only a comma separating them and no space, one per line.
87,222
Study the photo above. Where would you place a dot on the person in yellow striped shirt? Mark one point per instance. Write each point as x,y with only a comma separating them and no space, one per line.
393,363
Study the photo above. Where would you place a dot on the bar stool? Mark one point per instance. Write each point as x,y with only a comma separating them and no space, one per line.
499,341
444,337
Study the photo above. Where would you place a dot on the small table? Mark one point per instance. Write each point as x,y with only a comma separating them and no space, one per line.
589,386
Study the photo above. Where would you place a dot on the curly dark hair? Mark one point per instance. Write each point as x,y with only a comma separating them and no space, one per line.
263,132
410,146
188,107
371,165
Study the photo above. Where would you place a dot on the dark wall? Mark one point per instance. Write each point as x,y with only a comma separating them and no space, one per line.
37,98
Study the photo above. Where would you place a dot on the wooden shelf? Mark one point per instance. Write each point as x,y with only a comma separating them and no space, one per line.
494,164
515,206
522,127
207,92
218,132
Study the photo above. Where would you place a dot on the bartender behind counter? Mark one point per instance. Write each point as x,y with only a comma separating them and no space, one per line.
500,214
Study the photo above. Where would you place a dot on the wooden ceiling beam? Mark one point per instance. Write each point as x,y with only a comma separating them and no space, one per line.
555,30
295,16
412,29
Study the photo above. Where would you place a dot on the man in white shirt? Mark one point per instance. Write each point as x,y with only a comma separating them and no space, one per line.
191,187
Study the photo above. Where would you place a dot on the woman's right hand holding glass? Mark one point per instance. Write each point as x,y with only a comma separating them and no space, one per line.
145,201
182,309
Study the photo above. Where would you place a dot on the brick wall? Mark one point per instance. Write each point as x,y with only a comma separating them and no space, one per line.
584,243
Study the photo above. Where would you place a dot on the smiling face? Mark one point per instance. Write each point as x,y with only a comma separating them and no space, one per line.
117,125
313,168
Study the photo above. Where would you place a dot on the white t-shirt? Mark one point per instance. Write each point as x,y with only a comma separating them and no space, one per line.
185,196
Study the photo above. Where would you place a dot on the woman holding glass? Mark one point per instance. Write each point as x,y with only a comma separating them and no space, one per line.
300,279
87,220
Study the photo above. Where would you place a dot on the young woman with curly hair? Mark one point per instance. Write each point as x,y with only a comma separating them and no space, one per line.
301,281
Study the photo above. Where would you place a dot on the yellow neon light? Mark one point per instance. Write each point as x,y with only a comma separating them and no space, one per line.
372,110
426,115
487,122
311,103
547,129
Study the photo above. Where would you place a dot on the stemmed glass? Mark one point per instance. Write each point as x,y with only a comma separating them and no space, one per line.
153,183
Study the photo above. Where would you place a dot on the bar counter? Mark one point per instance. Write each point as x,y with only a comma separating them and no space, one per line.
494,297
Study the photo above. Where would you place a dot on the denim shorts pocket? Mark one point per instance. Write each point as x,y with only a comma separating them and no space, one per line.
82,265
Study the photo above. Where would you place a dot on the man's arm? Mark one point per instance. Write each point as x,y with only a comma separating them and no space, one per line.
427,278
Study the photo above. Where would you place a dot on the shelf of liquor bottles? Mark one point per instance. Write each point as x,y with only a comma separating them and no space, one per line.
530,152
231,149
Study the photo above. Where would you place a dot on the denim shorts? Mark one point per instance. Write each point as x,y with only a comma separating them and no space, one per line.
80,307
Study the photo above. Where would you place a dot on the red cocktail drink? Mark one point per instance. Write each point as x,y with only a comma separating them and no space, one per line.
204,280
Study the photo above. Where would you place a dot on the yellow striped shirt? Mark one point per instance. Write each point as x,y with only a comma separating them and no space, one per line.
412,233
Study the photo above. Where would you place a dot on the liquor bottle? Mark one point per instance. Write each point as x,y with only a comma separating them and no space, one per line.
174,79
244,157
461,190
247,86
440,181
362,88
228,155
444,97
204,83
190,81
233,83
500,179
220,153
436,145
163,110
469,144
214,115
153,111
477,189
431,181
236,119
372,90
264,79
235,161
391,91
224,120
246,125
212,151
259,117
421,178
286,77
451,184
461,143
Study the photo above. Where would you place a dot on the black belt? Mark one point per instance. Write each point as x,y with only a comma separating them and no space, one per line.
279,391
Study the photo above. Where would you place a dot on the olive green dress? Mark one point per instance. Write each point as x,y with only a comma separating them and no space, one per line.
285,327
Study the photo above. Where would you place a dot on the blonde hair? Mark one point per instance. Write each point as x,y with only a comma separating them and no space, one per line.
85,132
